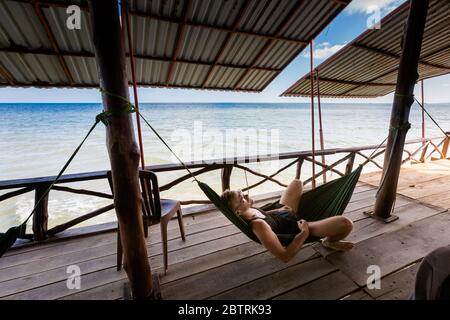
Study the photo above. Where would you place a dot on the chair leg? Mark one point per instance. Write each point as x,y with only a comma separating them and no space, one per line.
181,224
164,244
145,228
119,250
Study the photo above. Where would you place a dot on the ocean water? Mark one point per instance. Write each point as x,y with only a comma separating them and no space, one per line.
37,139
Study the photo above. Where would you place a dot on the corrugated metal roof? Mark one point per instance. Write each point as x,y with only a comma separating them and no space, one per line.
225,44
368,66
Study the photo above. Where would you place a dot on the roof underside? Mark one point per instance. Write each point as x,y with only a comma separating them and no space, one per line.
368,66
205,44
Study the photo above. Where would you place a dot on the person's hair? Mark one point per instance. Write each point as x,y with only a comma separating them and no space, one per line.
228,196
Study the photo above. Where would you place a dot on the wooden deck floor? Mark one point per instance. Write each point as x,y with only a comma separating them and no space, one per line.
219,262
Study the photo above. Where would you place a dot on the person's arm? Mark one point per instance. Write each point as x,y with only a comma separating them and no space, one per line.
270,240
283,208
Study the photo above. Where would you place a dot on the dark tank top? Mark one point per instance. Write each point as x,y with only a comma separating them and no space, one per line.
281,222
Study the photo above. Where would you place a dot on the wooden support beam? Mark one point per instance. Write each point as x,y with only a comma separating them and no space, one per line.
445,147
121,143
179,40
126,15
322,142
313,145
423,110
395,56
225,43
226,176
396,68
85,54
350,163
298,171
403,99
355,83
262,52
52,40
40,216
7,76
83,6
218,28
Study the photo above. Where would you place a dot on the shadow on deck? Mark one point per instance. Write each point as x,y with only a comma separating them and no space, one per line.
219,262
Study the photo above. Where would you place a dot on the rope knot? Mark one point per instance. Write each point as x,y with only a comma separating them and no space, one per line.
405,126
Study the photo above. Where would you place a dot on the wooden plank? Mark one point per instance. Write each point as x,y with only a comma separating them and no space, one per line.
399,285
45,264
195,264
409,175
393,251
409,213
77,245
441,200
364,227
280,282
367,200
217,280
330,287
102,271
358,213
426,188
93,231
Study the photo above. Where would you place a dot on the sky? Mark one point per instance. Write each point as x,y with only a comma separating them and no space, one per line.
354,20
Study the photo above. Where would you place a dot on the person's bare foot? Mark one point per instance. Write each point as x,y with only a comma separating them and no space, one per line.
338,245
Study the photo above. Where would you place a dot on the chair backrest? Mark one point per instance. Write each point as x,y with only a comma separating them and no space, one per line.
151,201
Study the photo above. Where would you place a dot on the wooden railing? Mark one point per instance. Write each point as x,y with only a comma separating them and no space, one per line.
428,147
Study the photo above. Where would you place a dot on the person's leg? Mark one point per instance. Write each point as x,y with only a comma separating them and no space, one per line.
334,229
291,196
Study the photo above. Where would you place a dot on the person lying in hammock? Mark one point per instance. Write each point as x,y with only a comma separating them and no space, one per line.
265,225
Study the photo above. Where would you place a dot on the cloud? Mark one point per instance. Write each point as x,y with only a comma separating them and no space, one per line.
368,6
324,50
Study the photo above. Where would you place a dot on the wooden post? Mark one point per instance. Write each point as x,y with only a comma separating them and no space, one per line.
313,149
350,163
40,216
445,147
423,111
122,148
226,175
319,108
126,16
403,99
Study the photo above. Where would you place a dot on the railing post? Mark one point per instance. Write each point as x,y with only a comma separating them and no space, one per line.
298,172
225,176
350,162
40,216
445,147
424,152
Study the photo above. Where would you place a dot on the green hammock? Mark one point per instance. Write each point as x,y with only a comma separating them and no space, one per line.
327,200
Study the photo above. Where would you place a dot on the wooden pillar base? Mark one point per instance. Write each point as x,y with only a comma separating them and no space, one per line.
155,295
389,219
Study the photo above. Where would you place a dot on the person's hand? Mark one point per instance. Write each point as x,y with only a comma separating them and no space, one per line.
303,225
